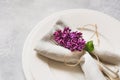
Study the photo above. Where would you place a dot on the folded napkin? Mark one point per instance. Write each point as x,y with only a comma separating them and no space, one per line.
47,47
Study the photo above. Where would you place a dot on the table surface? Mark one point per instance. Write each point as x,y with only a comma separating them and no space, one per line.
19,17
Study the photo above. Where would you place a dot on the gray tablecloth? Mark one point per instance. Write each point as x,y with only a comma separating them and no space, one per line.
18,18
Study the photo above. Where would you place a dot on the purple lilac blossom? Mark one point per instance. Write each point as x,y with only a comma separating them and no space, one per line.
70,40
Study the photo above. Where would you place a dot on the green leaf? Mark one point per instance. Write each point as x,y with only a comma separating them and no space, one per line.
89,46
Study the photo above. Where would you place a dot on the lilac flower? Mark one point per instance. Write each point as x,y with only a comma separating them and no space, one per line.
70,40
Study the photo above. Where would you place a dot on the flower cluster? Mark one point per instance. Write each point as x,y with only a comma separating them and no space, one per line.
70,40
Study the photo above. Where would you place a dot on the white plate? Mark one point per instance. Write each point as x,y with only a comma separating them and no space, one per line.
39,68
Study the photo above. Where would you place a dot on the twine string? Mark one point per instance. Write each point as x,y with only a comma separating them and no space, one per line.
95,31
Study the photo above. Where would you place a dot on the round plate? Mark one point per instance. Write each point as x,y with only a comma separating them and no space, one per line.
39,68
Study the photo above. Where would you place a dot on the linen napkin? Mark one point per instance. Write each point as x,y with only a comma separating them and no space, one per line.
48,48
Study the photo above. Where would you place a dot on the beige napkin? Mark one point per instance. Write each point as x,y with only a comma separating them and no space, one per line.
46,47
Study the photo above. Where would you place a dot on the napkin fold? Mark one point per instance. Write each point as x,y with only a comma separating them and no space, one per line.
47,47
108,55
91,69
